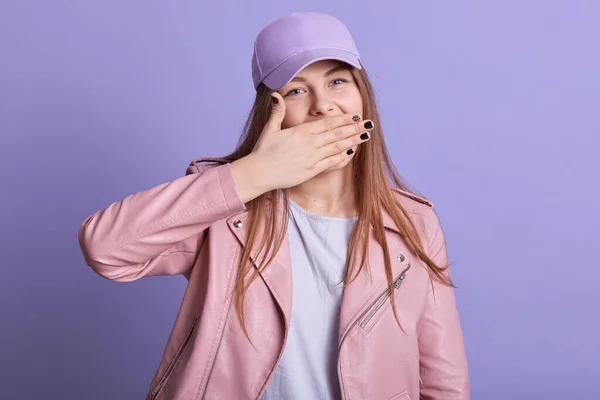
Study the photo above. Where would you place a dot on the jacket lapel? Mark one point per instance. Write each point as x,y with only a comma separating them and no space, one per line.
278,275
359,295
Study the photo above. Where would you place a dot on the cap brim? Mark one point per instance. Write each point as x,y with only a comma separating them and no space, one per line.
286,71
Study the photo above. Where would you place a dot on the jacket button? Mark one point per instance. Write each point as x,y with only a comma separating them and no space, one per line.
400,257
237,223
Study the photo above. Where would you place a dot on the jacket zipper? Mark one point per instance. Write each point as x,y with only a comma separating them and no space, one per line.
377,302
174,362
381,299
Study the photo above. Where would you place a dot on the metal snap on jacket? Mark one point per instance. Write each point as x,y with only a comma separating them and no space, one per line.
400,257
237,223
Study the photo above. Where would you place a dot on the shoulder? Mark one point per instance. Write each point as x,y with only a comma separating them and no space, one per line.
200,164
421,211
412,202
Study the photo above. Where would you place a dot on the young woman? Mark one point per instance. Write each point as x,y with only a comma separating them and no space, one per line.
313,272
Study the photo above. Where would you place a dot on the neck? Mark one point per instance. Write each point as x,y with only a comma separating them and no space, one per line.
329,194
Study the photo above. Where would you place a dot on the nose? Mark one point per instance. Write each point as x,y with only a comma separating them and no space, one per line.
322,104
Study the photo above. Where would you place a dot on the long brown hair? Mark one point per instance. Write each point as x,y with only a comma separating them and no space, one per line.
374,175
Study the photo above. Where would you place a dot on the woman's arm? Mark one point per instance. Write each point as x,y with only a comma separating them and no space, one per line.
160,230
443,362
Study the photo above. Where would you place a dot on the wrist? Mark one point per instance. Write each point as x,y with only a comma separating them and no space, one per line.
249,178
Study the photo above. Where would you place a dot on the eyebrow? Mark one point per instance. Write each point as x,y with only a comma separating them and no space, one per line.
331,71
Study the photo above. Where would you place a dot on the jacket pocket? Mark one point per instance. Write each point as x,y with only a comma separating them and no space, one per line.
372,314
173,363
401,396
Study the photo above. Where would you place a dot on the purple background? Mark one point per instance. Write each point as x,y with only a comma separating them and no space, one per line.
491,109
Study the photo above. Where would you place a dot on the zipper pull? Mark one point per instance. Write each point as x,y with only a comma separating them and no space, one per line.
399,280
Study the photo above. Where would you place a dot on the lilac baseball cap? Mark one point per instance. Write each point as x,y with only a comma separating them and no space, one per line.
287,45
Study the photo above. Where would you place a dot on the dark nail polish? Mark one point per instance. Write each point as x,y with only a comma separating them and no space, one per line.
364,136
368,125
356,118
350,151
274,99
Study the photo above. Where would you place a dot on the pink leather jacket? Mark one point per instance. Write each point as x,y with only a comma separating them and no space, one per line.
195,226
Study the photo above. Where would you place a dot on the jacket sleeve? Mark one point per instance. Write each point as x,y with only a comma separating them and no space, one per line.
443,361
159,231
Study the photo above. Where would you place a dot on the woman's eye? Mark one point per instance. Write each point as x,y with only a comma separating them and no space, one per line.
294,91
291,92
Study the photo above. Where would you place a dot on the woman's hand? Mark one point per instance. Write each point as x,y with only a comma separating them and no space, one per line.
291,156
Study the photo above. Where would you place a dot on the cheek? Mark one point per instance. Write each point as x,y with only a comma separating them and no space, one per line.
351,101
357,101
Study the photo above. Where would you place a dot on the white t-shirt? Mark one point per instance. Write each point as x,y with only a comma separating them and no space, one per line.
308,367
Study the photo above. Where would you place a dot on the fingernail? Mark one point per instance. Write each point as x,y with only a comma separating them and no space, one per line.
368,125
364,136
350,151
356,118
274,99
